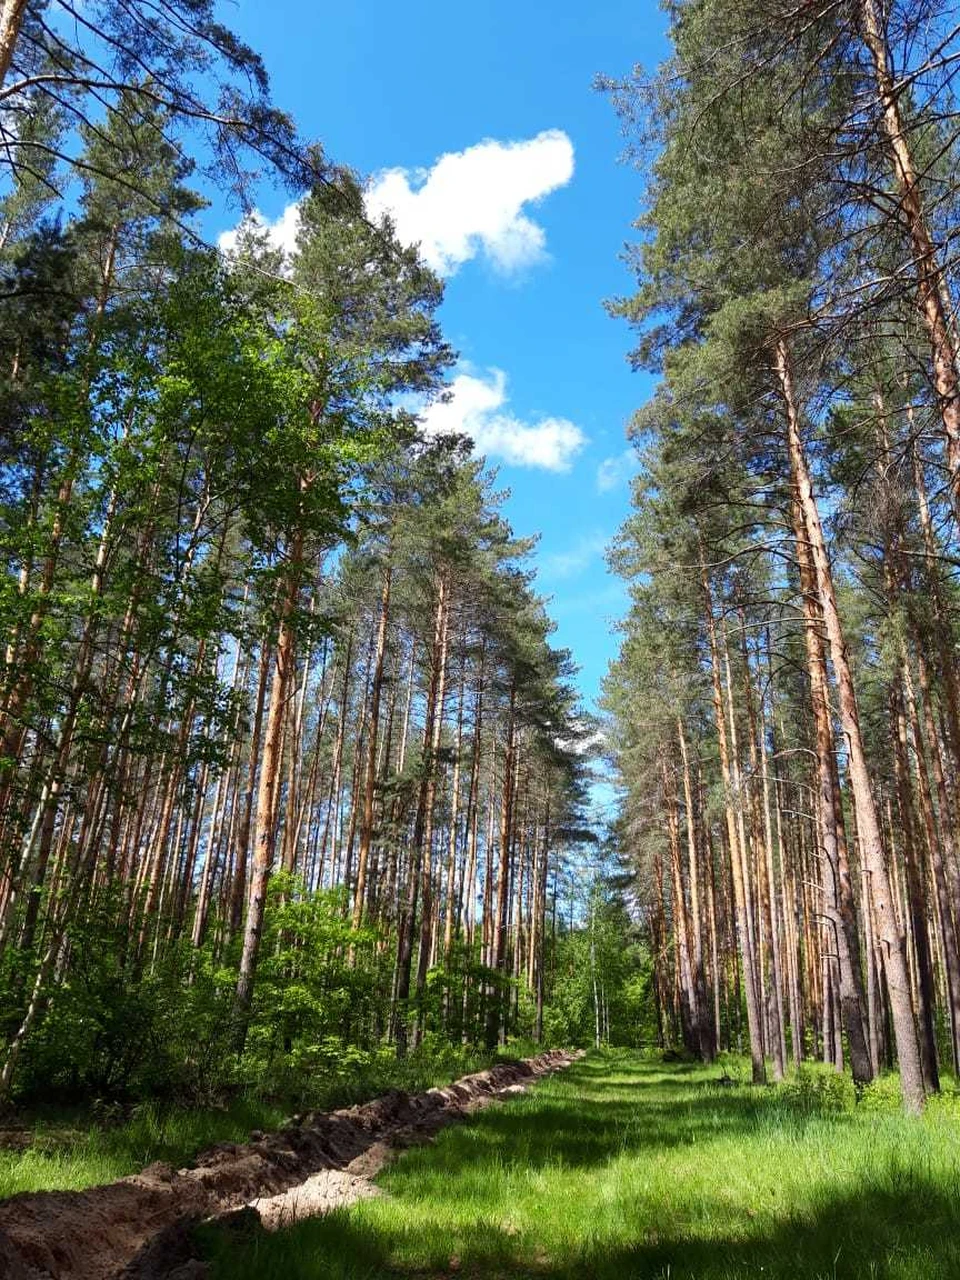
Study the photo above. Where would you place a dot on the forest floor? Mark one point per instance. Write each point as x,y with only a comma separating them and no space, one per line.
55,1148
142,1226
626,1167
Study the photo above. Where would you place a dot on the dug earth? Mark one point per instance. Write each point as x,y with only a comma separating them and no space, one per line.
140,1228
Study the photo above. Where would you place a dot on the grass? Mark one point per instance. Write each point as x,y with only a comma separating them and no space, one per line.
623,1167
59,1150
65,1152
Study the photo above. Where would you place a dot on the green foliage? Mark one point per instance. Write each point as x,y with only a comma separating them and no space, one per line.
819,1088
116,1033
212,467
593,965
312,1005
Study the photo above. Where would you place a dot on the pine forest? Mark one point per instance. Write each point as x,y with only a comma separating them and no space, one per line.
327,775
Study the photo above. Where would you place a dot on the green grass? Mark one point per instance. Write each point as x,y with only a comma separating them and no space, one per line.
60,1150
622,1167
69,1153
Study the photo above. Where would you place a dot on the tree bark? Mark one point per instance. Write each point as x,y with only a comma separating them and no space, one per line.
933,297
499,941
11,19
894,955
265,827
370,777
741,909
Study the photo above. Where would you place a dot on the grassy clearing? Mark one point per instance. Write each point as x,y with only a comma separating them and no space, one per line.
626,1168
58,1150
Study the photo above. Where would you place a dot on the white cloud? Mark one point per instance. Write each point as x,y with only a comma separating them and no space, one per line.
612,472
475,408
281,232
472,201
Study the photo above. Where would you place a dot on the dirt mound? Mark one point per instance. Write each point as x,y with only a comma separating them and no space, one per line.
139,1226
331,1189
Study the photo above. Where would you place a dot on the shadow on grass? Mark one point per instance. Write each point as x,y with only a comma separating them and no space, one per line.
876,1235
659,1110
450,1211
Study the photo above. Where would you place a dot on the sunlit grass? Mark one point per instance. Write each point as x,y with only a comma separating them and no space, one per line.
68,1150
622,1167
68,1153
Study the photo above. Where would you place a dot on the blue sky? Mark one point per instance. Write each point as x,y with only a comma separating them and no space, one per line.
527,229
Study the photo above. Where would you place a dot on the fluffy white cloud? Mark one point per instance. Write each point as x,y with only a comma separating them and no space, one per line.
476,408
612,472
470,202
473,201
282,232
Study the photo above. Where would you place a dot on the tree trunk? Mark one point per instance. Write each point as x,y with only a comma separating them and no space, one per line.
840,901
741,911
940,857
933,298
370,777
11,18
265,826
706,1027
915,898
424,843
499,942
894,956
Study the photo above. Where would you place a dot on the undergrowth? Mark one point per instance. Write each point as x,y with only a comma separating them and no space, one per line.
68,1149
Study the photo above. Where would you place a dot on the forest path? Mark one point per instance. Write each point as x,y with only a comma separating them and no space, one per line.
627,1167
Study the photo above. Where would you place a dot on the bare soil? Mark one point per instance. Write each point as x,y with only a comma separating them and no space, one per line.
140,1227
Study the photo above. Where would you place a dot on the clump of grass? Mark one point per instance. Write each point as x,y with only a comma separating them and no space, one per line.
68,1153
625,1167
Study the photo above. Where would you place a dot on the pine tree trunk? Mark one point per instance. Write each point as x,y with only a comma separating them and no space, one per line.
499,940
265,823
941,624
450,903
762,837
689,1027
408,917
840,901
741,910
370,777
895,966
423,844
241,847
11,17
706,1027
926,993
933,298
942,855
